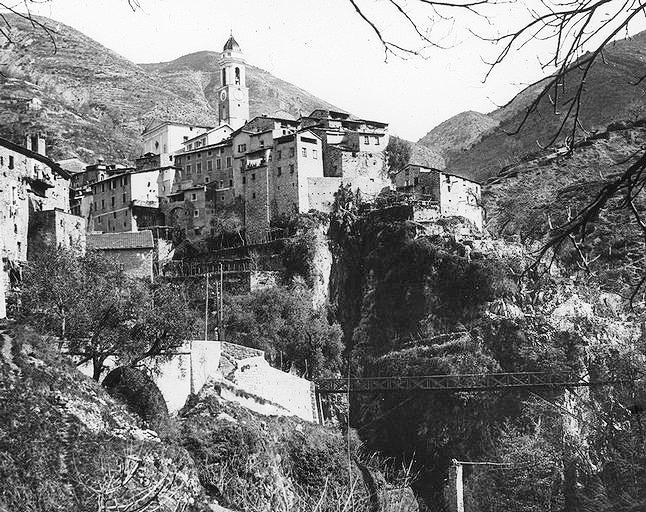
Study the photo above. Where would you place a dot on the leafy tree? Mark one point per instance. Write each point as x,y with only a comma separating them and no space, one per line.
99,312
398,152
283,322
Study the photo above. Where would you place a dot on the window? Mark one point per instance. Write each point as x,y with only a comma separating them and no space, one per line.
123,198
188,169
188,157
112,201
253,177
366,140
291,168
103,204
102,187
304,152
125,180
242,148
244,180
237,76
279,154
1,160
218,164
262,143
196,213
224,76
206,179
114,215
209,165
113,184
253,196
228,161
221,183
279,171
377,142
198,167
314,154
193,197
231,183
209,153
416,181
291,152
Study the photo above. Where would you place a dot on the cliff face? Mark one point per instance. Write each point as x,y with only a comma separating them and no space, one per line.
417,304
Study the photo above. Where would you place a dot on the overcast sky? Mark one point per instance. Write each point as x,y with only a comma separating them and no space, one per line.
325,48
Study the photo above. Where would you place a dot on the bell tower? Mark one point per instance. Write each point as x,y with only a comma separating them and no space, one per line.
233,94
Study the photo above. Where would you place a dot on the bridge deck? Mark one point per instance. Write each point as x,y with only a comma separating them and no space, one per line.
460,382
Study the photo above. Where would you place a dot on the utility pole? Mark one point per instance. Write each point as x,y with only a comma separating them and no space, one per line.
221,307
456,484
206,310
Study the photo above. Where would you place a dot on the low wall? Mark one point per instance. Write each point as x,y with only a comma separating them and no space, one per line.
291,392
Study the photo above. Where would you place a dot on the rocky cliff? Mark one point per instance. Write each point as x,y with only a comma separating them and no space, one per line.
417,303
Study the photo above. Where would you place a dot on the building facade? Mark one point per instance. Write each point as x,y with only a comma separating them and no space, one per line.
29,183
134,252
452,195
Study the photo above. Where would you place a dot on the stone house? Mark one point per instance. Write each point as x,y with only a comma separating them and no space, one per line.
128,201
133,251
30,182
449,194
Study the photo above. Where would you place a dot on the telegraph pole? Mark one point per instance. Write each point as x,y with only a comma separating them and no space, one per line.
206,310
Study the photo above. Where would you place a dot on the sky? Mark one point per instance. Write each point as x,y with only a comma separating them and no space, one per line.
324,47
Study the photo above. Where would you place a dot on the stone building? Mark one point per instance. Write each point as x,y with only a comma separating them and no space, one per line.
127,202
450,194
165,138
133,251
29,183
269,168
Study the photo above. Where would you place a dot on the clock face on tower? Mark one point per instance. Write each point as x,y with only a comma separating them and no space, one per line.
223,95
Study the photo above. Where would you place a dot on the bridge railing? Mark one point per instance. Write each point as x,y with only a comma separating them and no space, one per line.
459,382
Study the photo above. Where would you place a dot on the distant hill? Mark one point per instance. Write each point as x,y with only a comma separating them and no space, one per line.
458,133
95,103
484,147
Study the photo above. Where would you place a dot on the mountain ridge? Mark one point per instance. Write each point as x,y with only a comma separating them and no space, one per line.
611,96
96,103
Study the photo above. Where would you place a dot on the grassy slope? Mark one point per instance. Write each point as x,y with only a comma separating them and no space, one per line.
96,102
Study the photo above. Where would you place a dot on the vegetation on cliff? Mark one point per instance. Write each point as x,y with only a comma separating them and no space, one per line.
416,304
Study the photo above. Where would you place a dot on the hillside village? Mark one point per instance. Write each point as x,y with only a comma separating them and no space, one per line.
227,301
263,171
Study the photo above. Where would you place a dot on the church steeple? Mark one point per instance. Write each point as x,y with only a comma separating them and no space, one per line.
233,94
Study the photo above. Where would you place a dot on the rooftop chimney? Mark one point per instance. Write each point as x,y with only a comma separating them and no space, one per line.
36,142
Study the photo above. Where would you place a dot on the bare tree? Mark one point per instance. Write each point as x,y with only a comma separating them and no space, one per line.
577,32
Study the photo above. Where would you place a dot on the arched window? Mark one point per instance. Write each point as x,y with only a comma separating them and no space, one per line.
237,76
224,76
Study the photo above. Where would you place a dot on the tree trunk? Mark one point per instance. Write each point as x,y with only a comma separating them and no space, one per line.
97,367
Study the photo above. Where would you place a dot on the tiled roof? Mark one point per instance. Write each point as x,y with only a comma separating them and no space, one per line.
116,241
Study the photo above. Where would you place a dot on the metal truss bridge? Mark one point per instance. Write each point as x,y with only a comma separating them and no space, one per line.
463,382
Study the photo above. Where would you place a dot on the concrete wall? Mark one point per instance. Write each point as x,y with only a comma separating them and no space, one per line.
293,393
175,379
